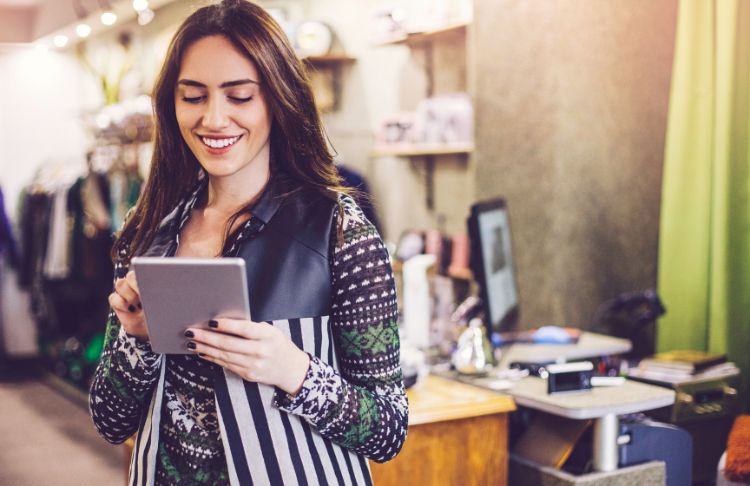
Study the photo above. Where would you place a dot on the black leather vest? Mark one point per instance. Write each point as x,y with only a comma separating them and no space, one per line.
287,261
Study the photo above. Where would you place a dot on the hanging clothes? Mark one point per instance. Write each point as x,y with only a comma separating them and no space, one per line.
7,241
125,187
57,261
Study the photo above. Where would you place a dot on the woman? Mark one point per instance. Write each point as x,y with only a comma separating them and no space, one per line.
241,168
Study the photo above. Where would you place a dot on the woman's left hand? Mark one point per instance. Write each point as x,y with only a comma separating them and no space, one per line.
256,351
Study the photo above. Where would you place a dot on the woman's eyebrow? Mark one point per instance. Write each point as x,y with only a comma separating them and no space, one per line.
227,84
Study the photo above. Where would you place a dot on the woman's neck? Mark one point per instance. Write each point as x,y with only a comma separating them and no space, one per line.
227,195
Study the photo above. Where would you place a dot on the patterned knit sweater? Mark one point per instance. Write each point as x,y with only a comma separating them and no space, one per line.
362,406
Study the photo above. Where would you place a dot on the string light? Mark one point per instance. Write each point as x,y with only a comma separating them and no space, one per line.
108,18
83,30
60,41
140,5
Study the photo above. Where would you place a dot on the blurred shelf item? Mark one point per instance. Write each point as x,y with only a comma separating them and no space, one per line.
326,73
416,150
418,37
456,274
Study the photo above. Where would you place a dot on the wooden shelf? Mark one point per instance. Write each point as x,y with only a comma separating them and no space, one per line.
329,59
419,37
419,150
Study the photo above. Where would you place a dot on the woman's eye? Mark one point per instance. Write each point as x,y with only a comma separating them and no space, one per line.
192,99
238,99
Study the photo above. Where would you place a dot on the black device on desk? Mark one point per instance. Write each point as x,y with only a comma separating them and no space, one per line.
569,377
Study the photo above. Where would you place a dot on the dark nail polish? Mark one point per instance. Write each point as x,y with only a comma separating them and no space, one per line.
201,355
140,306
213,324
131,308
189,333
191,345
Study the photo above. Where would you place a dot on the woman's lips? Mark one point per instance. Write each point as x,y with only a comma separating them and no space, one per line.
219,145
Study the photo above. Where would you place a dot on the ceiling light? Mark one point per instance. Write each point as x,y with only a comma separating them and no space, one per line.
83,30
60,41
145,16
140,5
108,18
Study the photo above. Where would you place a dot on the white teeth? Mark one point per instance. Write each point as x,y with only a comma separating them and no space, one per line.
219,142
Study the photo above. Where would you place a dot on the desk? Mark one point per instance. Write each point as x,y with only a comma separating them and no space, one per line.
602,404
589,345
458,434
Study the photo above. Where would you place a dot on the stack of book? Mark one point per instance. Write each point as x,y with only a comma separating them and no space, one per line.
681,366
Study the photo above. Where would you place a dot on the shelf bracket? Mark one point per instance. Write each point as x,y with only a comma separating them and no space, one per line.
429,179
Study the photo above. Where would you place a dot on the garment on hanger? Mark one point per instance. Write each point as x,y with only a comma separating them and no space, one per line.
7,241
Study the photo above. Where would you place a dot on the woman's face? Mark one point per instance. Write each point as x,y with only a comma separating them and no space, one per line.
220,109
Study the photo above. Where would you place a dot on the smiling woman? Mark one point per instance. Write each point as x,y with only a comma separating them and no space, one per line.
310,388
222,113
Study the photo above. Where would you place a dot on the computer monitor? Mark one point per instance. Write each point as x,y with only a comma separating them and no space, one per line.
492,264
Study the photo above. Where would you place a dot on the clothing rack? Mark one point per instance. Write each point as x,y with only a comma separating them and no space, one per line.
68,216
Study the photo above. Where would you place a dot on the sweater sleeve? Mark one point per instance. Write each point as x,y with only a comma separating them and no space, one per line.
363,405
123,382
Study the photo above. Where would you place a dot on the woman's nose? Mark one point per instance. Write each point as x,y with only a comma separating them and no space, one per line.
215,116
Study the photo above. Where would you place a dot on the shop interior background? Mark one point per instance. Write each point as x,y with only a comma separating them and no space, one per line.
570,103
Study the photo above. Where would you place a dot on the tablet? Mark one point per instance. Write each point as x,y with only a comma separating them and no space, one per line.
179,292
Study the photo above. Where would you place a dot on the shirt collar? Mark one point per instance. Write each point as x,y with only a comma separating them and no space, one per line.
269,202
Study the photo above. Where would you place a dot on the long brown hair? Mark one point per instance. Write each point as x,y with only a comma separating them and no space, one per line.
299,150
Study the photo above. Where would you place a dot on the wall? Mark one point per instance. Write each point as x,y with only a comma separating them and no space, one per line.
16,24
571,115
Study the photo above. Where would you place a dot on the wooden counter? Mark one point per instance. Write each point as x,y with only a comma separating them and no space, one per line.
458,434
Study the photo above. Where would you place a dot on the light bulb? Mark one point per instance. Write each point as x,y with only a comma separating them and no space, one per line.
60,41
145,16
83,30
140,5
109,18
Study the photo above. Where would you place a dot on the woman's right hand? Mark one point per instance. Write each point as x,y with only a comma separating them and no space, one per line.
126,302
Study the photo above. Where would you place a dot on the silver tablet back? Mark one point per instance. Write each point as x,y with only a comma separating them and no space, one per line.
179,292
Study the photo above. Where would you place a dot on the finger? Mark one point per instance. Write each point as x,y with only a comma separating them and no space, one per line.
123,288
226,342
244,373
133,281
119,304
228,357
244,328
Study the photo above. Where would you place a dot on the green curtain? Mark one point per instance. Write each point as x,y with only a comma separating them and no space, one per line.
704,247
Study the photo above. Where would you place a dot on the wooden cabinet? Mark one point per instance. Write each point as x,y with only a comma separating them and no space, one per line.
458,435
